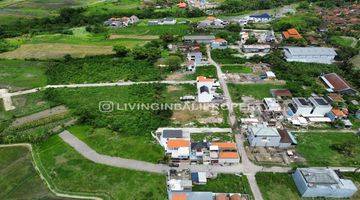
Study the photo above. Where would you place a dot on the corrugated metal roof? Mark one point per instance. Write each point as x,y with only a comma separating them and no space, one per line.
311,51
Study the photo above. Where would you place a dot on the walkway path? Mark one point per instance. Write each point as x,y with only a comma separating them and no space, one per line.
92,155
7,96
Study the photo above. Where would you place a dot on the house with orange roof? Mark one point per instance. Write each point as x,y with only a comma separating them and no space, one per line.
182,5
219,43
225,145
291,33
335,114
228,157
178,148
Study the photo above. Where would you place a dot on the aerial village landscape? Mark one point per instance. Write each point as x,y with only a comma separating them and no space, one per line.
180,99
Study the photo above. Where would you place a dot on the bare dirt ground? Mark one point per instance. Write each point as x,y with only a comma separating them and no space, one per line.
40,115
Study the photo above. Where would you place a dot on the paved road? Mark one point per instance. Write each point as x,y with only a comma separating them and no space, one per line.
92,155
249,168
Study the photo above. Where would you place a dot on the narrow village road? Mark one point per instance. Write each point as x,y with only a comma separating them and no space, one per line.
82,85
249,168
92,155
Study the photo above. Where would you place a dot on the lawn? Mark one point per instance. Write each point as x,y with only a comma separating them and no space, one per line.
317,148
69,172
343,41
207,71
18,178
257,91
175,92
279,186
107,142
21,74
236,69
199,137
226,183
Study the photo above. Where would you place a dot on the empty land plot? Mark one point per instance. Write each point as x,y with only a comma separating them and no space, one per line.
207,71
72,173
18,178
318,148
21,74
236,69
178,29
257,91
108,142
226,183
55,50
278,186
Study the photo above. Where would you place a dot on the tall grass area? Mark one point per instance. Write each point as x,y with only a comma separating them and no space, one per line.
71,173
102,69
178,29
124,119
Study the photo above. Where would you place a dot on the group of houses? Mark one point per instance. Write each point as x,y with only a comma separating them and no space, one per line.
212,22
181,149
256,18
121,22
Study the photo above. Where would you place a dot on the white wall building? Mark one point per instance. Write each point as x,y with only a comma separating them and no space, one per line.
272,105
263,136
206,89
300,107
320,106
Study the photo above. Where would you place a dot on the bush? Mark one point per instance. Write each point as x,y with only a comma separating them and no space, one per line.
121,51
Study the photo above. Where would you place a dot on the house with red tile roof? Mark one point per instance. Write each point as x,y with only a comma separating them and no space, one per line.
291,33
335,83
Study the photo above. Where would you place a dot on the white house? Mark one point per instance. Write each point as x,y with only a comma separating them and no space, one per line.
219,43
265,17
272,105
320,106
322,182
263,136
310,54
206,89
300,107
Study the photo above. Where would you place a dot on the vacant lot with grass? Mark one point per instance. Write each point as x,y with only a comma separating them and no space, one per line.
69,172
236,69
128,117
102,69
20,74
107,142
144,29
319,150
279,186
257,91
226,183
343,41
207,71
18,178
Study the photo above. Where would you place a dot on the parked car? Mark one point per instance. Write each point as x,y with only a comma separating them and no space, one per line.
174,165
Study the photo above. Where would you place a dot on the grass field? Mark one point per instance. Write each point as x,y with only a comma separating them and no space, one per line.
107,142
257,91
20,74
343,41
71,173
236,69
226,183
207,71
279,186
18,178
316,148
